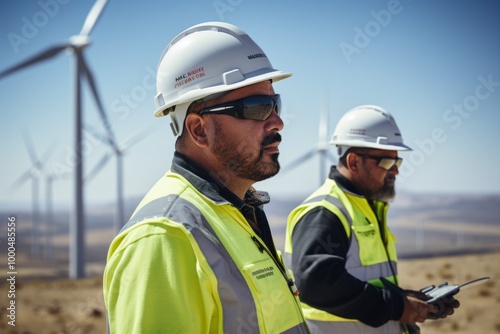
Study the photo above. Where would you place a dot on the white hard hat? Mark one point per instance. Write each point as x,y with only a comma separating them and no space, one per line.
207,59
368,126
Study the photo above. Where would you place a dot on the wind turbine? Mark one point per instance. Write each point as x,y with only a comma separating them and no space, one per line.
49,212
321,149
34,173
118,151
76,46
49,219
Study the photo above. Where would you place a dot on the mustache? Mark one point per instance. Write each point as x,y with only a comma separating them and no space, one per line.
390,176
272,138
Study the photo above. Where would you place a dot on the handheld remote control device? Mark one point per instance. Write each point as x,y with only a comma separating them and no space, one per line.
445,290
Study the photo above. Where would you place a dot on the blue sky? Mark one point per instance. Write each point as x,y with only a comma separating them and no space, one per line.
433,64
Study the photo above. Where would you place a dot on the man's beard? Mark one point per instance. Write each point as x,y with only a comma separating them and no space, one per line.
387,192
240,160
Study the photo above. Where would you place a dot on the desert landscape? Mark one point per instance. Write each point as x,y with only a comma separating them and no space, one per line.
454,245
480,305
58,306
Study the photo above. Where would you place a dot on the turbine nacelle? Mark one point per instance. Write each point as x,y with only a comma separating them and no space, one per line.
79,41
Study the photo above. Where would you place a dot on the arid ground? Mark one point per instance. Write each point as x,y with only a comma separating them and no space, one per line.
76,306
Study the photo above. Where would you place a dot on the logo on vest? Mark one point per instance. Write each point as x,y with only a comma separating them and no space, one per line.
369,233
263,273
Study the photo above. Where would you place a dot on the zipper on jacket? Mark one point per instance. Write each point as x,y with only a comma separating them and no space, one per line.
259,245
281,268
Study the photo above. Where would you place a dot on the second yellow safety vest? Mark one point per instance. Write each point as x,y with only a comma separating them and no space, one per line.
371,255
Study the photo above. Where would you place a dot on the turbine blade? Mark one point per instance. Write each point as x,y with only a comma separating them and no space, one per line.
97,168
136,138
20,180
28,143
97,135
298,161
44,55
46,155
38,163
323,123
92,17
102,113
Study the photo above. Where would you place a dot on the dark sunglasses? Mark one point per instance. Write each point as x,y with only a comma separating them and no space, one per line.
256,107
384,162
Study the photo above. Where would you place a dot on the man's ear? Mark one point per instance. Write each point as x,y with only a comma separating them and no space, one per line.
195,126
352,162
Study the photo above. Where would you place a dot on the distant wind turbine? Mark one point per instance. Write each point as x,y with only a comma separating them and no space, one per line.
49,219
34,173
322,147
118,151
76,46
49,212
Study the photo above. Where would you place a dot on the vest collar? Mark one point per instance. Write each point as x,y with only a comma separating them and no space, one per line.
344,183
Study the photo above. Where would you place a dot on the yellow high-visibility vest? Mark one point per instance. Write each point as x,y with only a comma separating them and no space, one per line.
371,254
190,263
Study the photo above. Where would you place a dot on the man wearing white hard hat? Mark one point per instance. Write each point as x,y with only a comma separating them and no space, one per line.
339,246
197,255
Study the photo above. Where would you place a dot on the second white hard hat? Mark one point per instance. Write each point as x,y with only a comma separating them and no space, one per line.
207,59
368,126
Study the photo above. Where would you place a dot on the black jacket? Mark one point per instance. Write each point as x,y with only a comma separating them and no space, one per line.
320,272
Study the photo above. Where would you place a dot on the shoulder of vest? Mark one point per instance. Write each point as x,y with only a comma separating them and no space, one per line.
177,207
156,208
327,198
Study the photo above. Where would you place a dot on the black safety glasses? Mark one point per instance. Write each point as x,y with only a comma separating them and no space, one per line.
384,162
256,107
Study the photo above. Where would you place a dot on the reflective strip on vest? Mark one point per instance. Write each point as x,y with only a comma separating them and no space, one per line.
335,202
231,284
323,322
332,200
238,304
320,327
353,262
371,272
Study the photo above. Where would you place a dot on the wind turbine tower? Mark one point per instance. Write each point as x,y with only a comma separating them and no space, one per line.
76,45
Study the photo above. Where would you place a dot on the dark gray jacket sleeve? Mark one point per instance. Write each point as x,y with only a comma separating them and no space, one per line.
320,246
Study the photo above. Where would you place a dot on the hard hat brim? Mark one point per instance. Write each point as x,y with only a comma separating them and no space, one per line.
377,146
195,94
